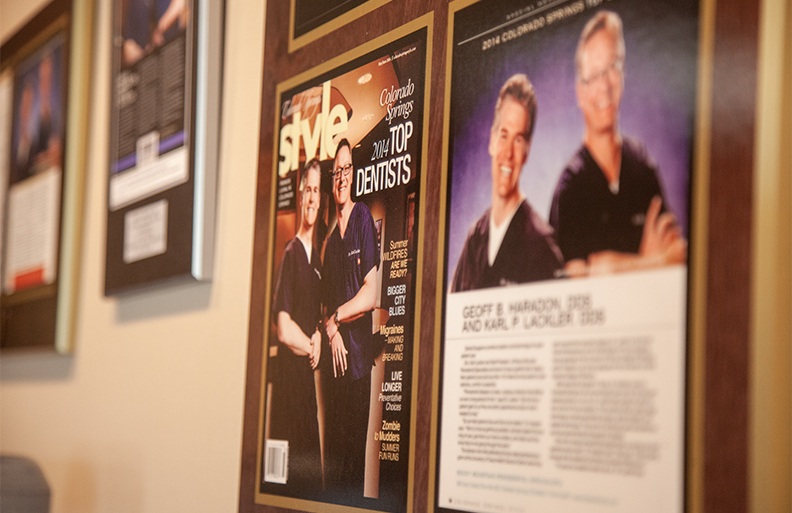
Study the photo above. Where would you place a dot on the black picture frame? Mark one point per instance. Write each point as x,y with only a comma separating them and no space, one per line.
162,167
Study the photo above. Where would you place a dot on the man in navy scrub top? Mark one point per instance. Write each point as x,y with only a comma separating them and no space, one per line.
349,295
297,316
510,243
608,209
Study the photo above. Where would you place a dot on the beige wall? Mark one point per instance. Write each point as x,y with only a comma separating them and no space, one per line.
146,415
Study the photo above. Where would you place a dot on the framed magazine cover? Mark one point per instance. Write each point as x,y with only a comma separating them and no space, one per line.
44,79
705,388
347,175
162,170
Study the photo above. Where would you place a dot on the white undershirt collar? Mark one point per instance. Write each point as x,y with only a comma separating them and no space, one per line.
308,247
497,233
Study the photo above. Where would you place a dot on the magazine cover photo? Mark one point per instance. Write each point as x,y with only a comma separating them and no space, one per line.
339,351
563,350
600,168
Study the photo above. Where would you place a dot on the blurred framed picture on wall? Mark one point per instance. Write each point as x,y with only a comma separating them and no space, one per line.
164,126
43,98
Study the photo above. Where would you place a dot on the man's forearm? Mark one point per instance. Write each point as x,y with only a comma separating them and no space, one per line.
292,336
364,301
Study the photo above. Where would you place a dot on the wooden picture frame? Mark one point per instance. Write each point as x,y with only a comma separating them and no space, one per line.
718,402
47,66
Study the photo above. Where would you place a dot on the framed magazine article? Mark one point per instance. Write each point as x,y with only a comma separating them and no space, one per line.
338,378
589,284
162,170
44,100
309,20
564,300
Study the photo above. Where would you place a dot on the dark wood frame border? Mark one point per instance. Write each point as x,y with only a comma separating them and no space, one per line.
729,243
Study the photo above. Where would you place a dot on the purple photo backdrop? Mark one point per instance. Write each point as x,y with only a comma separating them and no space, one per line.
657,106
28,71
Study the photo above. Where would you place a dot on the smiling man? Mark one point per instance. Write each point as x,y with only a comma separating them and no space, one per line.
509,244
608,209
349,293
297,315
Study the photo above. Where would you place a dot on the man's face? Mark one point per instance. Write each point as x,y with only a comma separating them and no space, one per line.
310,198
601,82
342,176
508,148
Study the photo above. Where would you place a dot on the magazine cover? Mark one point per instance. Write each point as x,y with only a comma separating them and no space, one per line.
151,91
164,126
339,372
36,171
563,346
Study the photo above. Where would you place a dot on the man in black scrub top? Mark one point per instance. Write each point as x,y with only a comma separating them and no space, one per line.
510,243
349,294
297,316
608,209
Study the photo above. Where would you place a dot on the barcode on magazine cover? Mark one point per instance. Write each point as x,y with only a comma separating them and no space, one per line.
276,461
